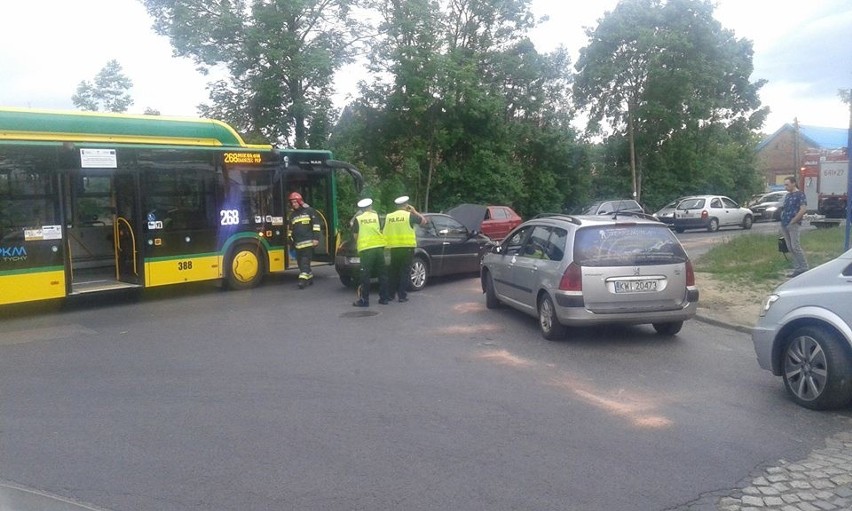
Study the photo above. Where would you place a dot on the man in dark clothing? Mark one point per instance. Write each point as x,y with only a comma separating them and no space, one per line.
305,233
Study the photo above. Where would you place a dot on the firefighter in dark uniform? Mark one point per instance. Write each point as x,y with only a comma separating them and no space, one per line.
371,251
400,238
305,233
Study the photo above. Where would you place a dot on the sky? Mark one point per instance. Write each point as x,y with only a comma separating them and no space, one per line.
47,47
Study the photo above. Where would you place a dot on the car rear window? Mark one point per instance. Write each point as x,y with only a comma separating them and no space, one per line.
691,204
627,245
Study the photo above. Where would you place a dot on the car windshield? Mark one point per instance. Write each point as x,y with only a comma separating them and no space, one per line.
627,245
592,209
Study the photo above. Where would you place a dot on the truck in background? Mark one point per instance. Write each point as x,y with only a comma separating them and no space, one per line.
824,180
833,184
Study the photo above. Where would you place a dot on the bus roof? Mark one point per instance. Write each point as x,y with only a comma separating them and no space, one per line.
26,125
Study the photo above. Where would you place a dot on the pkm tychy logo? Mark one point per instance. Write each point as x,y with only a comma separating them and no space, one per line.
13,253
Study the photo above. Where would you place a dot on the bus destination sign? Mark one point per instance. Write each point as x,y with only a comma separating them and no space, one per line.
249,158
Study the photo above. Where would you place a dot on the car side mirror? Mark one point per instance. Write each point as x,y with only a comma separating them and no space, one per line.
498,249
472,234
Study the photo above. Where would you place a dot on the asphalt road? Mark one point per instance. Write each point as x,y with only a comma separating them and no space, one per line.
277,399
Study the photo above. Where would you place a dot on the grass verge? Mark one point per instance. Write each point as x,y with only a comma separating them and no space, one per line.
754,260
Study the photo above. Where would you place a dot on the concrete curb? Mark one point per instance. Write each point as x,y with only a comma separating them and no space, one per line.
704,318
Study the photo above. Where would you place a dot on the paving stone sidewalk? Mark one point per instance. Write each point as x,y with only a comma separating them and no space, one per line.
821,482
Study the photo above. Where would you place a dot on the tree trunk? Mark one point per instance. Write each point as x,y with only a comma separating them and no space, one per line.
429,179
631,140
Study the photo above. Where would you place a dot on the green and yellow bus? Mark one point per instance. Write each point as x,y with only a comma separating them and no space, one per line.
95,202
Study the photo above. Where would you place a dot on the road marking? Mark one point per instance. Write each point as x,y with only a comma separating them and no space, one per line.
468,307
626,406
624,403
469,329
44,334
503,357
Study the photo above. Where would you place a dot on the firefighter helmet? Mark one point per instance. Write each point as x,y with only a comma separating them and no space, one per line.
296,196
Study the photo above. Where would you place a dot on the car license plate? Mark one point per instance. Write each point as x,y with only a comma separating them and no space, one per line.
353,260
635,286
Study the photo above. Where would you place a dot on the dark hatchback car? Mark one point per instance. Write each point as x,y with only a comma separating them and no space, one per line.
769,206
444,247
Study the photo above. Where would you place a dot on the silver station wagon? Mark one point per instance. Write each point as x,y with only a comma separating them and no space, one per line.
592,270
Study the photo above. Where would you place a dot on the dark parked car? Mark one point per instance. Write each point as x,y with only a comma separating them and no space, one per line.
605,207
444,247
769,206
492,221
832,206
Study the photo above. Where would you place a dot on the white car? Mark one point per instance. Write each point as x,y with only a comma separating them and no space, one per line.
711,212
666,213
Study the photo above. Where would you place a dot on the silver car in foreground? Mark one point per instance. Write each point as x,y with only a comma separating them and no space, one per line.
592,270
804,335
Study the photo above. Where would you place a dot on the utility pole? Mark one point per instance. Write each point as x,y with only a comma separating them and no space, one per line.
848,98
797,161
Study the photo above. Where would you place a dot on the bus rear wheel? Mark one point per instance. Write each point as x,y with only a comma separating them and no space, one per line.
245,267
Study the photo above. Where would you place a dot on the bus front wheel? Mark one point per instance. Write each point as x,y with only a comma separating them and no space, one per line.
245,267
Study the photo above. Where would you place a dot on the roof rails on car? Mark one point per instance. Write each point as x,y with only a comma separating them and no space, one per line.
570,218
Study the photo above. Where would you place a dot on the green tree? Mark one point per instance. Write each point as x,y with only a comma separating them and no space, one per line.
654,70
108,91
280,57
463,108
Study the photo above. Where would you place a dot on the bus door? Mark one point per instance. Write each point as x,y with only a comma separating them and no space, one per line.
126,228
314,187
101,214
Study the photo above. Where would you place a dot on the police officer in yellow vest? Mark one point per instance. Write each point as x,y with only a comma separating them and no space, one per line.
400,238
371,251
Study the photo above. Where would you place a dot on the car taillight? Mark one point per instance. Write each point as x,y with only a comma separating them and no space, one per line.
572,279
704,214
690,273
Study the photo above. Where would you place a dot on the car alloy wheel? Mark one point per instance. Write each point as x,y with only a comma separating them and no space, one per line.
419,274
816,369
551,328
